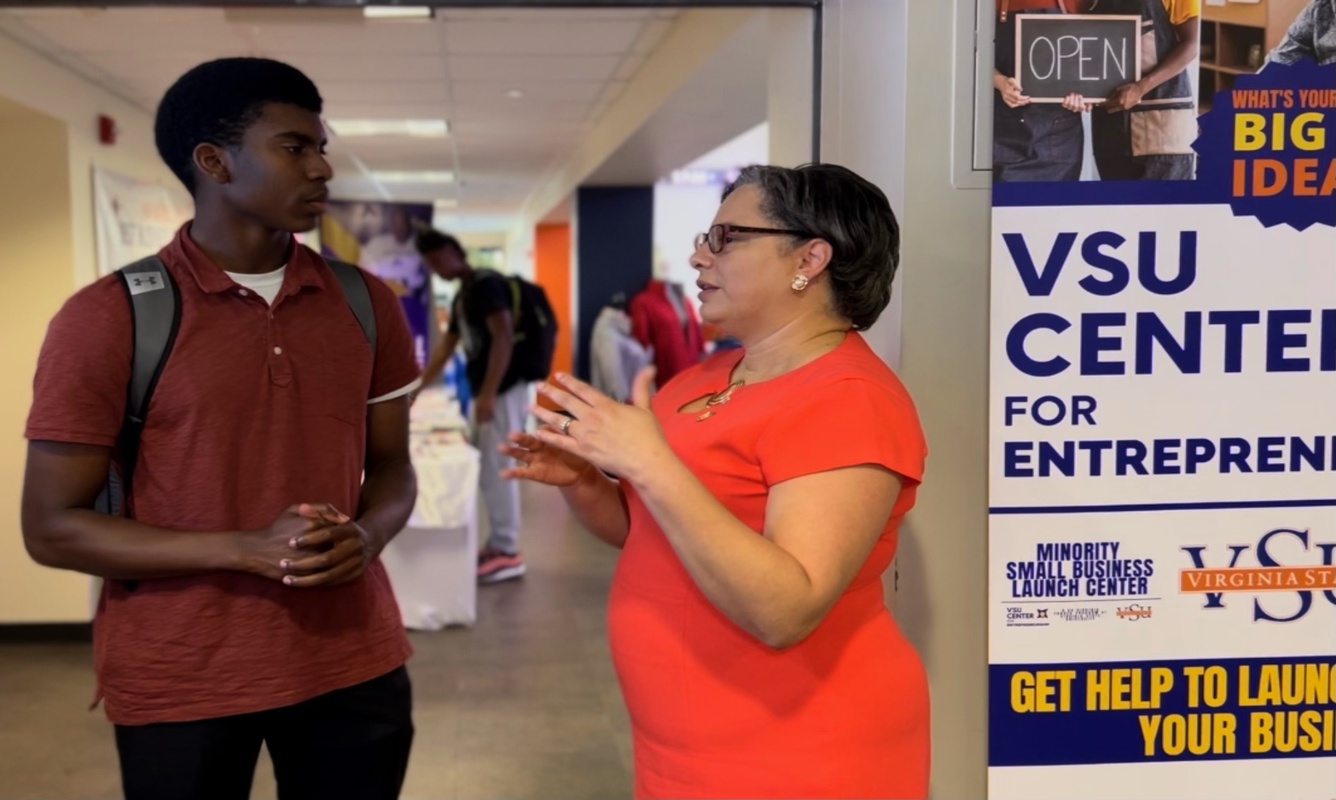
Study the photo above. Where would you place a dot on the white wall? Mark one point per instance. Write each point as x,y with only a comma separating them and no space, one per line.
751,147
864,91
789,89
681,212
520,252
898,133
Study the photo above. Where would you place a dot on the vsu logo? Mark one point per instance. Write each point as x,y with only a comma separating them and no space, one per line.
1280,557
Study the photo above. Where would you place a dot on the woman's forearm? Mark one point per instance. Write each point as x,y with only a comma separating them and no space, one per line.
599,505
755,583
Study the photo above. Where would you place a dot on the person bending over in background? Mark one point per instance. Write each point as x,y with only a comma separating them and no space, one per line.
482,321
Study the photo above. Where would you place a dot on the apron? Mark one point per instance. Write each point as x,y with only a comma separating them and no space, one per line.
1041,141
1152,141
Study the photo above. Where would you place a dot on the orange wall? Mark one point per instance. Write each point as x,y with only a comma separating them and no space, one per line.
552,271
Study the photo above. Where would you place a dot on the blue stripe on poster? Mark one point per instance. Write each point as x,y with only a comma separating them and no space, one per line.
1154,711
1105,193
1125,508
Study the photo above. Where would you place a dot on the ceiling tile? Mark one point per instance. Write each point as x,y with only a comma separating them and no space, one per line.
502,108
533,91
326,69
541,38
370,37
130,30
509,69
384,92
403,110
385,149
651,36
629,67
567,62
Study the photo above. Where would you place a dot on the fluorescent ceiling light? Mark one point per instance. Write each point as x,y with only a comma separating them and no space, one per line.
447,203
424,128
397,12
421,176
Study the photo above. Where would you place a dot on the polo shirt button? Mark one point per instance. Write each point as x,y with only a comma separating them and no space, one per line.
242,292
278,351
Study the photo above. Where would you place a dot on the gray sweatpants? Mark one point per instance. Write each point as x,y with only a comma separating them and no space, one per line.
500,496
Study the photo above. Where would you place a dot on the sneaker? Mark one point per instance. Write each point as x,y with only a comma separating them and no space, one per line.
495,566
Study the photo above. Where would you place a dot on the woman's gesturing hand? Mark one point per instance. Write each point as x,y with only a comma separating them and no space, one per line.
624,440
543,463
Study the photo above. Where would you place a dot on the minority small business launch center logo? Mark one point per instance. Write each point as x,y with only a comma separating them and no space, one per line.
1080,569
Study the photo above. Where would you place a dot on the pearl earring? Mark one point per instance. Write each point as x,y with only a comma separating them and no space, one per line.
799,283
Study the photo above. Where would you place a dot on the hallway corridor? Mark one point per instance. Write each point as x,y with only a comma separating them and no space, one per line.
523,705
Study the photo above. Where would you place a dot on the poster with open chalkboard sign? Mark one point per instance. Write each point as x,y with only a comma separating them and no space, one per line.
1085,54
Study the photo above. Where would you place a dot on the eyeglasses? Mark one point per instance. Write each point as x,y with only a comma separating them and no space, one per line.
718,235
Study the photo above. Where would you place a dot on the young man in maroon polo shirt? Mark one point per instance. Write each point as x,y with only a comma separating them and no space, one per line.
240,604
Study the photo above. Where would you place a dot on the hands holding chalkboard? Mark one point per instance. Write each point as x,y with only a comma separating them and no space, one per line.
1013,96
1076,103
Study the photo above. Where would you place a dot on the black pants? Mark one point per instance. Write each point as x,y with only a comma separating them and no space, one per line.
350,743
1037,144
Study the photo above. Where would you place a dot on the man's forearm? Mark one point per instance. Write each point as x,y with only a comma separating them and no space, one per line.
116,548
431,374
388,496
498,361
1178,59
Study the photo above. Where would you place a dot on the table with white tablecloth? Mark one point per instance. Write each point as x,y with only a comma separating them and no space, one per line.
433,562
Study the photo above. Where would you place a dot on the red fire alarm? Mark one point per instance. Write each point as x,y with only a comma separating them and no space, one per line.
106,129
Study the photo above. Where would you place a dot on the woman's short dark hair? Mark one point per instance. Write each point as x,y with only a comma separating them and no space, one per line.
430,240
835,204
217,101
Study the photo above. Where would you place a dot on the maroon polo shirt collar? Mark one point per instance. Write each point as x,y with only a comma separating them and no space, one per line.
304,267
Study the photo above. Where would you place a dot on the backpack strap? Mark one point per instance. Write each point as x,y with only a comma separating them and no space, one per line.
155,314
517,301
359,297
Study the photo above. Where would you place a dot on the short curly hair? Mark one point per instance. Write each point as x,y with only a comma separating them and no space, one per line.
430,240
836,204
217,101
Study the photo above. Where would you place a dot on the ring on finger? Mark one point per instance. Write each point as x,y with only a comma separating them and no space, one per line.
566,426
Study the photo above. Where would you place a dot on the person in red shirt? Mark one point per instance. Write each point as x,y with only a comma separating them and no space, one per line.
243,599
758,504
665,323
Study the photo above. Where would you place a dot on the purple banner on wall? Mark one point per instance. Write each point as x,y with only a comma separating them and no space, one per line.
379,237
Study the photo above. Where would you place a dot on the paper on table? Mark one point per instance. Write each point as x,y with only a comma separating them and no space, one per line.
436,410
447,475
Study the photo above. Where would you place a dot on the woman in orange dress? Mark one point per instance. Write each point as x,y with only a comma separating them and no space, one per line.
757,506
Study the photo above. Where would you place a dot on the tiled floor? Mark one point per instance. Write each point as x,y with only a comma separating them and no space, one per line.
525,704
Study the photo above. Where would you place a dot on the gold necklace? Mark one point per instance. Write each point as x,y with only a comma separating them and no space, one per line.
718,399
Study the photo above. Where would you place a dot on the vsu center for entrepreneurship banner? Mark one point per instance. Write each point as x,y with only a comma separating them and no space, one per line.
1162,535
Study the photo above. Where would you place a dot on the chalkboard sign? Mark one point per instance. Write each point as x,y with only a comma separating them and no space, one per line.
1086,54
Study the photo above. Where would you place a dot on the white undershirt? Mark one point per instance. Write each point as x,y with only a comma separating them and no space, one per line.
268,284
265,284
